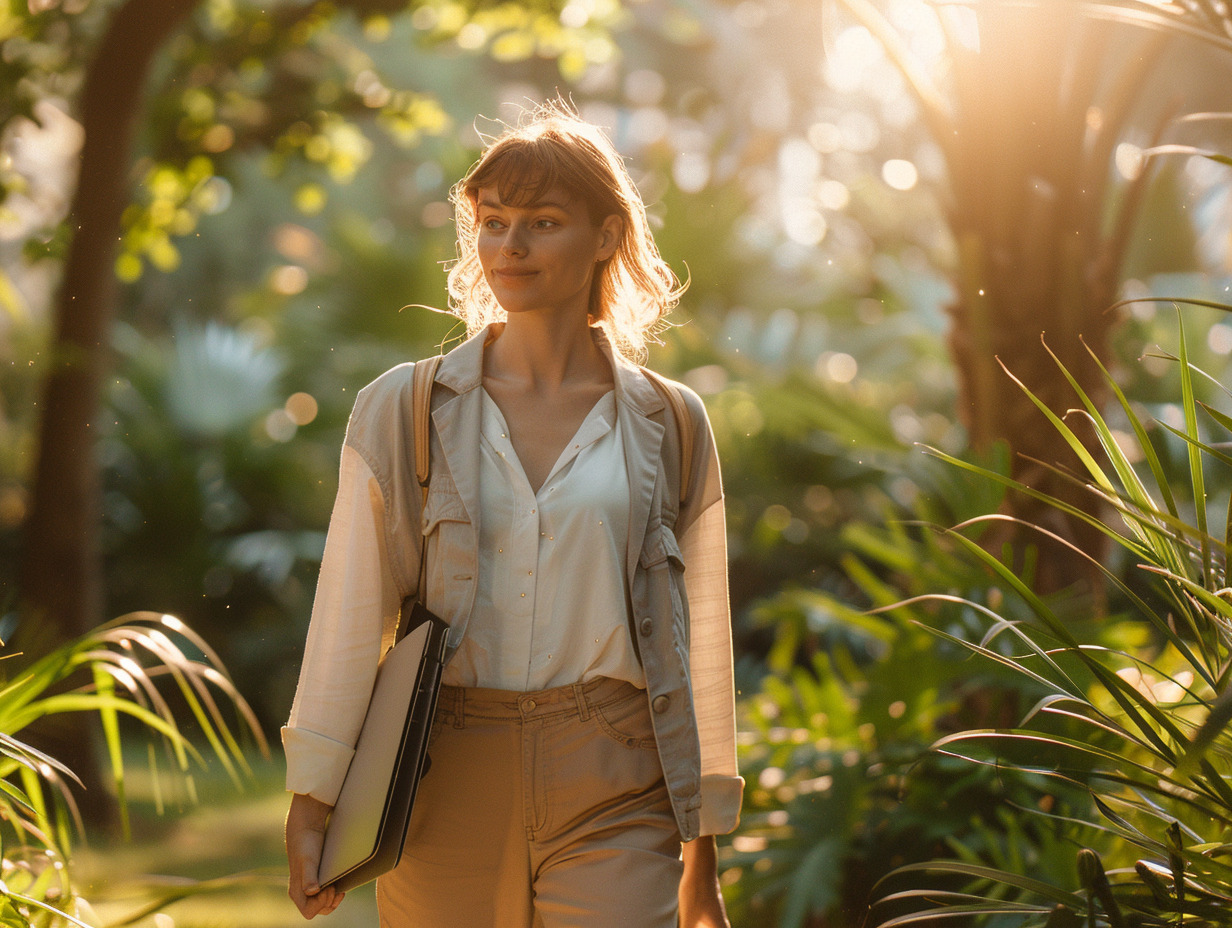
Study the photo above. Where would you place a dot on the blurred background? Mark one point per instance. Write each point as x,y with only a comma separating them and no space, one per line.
221,218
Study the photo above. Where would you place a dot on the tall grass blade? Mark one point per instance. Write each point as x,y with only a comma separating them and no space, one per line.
976,871
1189,406
1143,439
1075,443
104,683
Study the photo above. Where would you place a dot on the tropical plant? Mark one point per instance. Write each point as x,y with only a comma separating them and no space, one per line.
113,672
1039,111
1139,728
835,736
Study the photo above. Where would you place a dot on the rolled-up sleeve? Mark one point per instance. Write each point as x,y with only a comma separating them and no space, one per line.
356,601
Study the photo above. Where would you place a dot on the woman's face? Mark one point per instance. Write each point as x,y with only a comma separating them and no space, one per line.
541,256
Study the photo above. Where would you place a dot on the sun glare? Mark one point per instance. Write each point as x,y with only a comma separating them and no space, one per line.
900,174
855,57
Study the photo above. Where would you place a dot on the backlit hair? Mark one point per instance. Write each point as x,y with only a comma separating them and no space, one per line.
551,146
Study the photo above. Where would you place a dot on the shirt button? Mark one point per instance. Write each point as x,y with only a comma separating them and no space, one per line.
646,627
660,704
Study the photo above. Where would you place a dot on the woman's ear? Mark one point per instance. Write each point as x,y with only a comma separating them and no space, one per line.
610,231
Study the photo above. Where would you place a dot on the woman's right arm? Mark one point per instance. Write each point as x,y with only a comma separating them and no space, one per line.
355,600
305,835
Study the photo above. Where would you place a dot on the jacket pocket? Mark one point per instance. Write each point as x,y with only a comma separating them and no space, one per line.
444,504
660,545
664,568
448,538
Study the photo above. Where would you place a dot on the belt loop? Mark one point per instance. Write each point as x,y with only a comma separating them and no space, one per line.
579,696
459,707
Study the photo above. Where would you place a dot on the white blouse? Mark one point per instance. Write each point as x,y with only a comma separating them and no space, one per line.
551,601
357,596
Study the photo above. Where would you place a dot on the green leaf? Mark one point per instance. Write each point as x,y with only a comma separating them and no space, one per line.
104,683
813,887
1195,457
1027,884
1190,150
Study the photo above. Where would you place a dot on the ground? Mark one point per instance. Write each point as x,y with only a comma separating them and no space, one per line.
229,840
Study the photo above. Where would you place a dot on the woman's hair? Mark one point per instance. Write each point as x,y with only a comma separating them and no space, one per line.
551,146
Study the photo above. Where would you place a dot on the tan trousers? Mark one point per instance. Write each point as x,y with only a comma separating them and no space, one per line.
540,810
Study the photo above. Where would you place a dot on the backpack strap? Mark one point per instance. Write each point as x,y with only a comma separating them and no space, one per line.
684,427
422,377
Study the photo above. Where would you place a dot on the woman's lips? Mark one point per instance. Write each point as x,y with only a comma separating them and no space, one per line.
513,274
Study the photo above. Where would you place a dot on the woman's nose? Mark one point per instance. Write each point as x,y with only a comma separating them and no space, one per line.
514,245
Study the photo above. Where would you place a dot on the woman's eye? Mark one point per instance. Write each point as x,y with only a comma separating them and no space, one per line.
545,223
491,224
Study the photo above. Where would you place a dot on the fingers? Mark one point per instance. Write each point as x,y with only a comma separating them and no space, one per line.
309,898
322,902
303,887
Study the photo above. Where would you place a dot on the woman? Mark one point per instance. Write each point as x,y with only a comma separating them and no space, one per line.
583,754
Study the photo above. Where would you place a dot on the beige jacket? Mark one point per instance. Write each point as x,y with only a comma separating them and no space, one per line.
676,564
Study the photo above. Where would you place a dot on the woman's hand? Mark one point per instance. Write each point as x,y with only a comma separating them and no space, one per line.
701,903
305,836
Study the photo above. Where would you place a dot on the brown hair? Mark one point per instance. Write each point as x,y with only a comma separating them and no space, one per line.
551,146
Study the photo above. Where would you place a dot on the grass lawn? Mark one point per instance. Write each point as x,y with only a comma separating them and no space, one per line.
228,840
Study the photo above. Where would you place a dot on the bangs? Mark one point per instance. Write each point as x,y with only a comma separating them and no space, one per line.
523,172
554,153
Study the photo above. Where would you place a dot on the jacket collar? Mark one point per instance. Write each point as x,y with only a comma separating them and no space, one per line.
457,422
461,370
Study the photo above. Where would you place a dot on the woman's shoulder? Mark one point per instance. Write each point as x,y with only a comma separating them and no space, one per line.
384,401
391,383
392,389
679,394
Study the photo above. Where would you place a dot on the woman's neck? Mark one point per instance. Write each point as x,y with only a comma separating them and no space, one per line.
546,352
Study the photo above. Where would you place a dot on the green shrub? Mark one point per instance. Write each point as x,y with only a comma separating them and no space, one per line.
1139,729
114,672
835,737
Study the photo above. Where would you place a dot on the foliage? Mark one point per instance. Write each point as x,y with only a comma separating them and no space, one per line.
1140,729
307,84
833,738
113,672
1039,113
290,198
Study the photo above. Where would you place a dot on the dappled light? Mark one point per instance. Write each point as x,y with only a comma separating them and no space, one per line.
958,282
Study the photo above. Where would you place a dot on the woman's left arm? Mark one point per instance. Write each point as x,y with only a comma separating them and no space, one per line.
701,903
703,543
702,537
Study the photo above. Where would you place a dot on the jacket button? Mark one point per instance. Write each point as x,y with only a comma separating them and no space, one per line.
646,627
660,704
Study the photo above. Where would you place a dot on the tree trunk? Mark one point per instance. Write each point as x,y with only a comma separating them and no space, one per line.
1016,320
1040,106
61,574
61,580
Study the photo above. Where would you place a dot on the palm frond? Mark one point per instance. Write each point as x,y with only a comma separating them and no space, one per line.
1143,732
